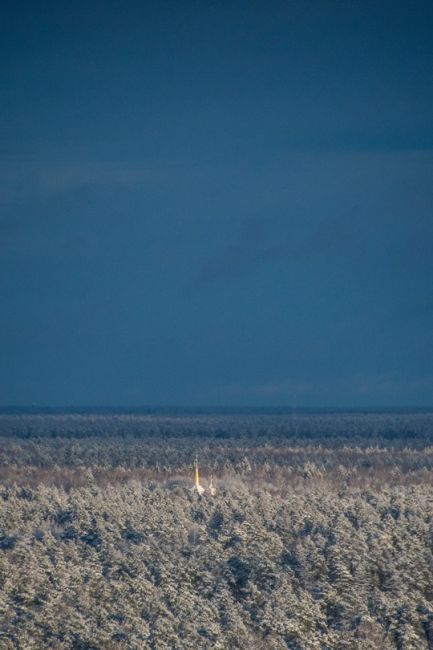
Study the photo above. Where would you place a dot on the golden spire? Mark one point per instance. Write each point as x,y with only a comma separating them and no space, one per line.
197,486
196,476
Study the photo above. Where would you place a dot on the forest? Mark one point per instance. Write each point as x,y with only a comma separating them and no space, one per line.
319,535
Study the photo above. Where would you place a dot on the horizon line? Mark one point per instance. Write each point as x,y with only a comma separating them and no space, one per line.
167,409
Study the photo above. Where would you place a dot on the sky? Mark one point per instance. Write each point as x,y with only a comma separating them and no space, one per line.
216,203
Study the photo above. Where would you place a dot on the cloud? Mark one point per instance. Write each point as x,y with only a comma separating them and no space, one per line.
257,244
362,208
246,254
419,311
335,235
27,179
368,389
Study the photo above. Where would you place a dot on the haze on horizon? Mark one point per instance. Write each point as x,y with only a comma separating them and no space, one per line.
216,203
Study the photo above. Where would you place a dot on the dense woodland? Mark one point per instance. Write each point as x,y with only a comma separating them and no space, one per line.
320,535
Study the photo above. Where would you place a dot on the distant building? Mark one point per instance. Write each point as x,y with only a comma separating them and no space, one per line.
199,488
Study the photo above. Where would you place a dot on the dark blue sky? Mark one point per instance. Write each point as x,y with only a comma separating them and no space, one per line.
216,203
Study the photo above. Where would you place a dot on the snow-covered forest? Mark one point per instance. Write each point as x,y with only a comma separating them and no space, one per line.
319,536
